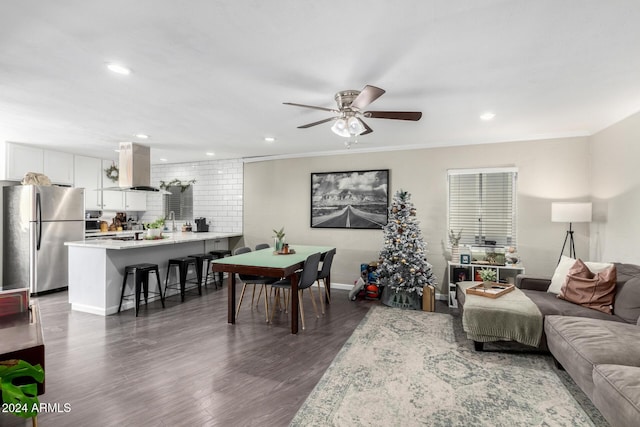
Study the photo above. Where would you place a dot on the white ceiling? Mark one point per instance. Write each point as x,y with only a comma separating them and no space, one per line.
212,75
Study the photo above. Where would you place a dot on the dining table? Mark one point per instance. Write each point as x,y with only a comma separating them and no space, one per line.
267,262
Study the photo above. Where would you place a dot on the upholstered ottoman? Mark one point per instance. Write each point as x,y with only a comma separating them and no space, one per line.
616,393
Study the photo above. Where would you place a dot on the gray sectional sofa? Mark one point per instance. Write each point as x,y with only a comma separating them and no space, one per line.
600,351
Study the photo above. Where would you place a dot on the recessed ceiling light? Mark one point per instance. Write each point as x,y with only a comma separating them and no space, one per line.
487,116
210,153
120,69
269,139
142,136
163,160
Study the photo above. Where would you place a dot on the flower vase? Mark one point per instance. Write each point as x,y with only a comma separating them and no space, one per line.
153,233
279,244
455,254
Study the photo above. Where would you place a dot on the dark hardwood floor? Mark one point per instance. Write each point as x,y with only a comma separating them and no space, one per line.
184,365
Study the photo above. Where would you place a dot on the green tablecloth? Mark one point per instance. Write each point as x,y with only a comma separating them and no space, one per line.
267,257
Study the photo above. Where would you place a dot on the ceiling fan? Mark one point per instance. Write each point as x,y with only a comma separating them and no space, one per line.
351,103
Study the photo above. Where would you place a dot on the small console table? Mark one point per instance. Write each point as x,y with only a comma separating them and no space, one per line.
470,272
21,338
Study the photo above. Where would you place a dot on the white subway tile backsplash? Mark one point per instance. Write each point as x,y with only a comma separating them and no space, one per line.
217,193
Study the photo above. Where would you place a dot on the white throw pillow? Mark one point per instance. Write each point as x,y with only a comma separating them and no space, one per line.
559,276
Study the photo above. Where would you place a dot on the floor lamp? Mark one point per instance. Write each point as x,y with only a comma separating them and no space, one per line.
570,212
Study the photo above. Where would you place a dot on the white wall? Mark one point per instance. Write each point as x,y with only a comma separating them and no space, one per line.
217,192
615,166
277,193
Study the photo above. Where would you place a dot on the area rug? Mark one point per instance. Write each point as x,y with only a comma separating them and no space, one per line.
414,368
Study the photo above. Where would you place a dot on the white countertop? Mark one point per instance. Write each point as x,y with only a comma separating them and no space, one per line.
171,238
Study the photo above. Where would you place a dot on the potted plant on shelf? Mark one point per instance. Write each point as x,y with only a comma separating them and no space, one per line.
279,239
488,275
154,229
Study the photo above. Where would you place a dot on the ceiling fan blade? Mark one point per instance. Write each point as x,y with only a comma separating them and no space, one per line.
366,127
366,97
311,106
317,123
395,115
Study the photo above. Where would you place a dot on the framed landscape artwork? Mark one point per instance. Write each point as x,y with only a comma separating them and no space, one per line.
352,199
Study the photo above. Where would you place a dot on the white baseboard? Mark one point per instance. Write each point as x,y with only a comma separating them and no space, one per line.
341,286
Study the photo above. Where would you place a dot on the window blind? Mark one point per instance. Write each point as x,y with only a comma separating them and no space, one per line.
180,202
482,203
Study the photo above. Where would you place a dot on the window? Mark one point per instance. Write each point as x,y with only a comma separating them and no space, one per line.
482,203
180,202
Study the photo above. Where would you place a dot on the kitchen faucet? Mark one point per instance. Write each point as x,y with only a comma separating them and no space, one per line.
172,217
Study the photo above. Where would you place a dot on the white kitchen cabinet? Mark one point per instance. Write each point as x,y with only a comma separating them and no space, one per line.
88,175
135,201
111,200
20,159
58,166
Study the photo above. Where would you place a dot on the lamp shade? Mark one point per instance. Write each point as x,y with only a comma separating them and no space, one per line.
340,128
355,126
571,212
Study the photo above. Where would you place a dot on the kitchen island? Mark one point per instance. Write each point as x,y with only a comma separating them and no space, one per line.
96,267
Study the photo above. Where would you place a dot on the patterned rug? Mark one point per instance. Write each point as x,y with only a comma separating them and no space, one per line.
414,368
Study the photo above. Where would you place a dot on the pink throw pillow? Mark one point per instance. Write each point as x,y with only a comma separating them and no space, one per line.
595,291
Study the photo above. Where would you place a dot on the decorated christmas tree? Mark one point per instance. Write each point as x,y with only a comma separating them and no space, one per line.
403,266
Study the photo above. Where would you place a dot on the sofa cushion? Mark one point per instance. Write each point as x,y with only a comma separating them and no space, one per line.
579,343
616,393
549,304
560,274
627,300
592,290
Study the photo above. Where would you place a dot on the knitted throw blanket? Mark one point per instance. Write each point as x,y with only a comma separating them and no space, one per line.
512,316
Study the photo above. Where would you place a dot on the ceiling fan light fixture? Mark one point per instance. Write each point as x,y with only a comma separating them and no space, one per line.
355,126
340,128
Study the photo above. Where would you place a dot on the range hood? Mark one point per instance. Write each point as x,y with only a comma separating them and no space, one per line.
135,169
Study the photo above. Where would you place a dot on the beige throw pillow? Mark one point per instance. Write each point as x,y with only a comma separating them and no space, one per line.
560,275
592,290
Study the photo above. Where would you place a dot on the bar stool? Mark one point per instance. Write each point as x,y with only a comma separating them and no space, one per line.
220,253
182,264
141,279
200,259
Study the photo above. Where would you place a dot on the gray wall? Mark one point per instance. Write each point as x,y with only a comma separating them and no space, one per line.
277,193
615,158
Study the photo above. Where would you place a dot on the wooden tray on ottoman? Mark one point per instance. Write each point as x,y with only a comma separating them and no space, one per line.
490,290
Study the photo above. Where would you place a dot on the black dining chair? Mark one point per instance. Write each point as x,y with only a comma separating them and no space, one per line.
259,247
323,275
306,280
249,279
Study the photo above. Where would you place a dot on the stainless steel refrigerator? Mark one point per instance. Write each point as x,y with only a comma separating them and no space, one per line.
37,222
